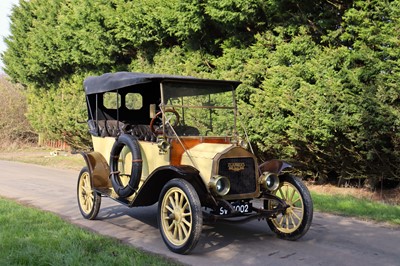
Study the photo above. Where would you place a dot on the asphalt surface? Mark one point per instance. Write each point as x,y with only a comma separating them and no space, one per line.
331,240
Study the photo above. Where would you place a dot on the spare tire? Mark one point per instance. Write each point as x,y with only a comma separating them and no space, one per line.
136,171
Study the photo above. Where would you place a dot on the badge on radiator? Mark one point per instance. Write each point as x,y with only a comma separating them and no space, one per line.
236,167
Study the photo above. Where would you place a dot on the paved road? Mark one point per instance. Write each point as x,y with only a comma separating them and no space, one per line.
332,240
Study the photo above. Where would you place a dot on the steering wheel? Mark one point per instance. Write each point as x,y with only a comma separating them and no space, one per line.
167,119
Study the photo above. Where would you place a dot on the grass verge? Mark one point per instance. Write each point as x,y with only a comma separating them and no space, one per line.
45,157
33,237
348,205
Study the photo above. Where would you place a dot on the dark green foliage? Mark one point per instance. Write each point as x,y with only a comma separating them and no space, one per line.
320,78
60,113
334,109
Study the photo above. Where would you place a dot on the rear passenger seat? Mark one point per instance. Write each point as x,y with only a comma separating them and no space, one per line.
112,128
109,128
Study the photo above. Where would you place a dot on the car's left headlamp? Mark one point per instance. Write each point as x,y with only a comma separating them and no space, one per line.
269,181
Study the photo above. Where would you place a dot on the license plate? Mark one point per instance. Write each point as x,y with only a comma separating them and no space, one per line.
241,207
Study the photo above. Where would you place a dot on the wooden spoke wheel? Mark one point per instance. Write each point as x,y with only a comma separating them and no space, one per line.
88,200
296,220
179,216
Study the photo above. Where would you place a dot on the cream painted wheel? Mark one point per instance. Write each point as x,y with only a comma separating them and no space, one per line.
88,200
180,216
296,220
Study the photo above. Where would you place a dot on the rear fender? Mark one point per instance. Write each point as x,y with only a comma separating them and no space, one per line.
149,192
98,169
274,166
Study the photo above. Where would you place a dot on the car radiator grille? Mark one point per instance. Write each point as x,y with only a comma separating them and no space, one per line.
240,172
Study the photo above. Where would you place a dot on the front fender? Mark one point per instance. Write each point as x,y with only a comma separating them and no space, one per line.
149,192
98,169
274,166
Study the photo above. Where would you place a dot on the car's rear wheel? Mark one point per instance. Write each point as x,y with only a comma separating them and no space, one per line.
88,200
180,217
296,220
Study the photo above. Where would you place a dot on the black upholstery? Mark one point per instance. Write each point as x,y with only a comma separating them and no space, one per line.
113,128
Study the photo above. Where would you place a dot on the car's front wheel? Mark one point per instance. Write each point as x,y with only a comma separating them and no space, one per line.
180,216
296,220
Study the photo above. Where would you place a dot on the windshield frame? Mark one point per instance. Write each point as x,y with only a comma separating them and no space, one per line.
222,88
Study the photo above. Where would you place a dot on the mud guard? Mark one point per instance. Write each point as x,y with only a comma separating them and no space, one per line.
148,194
274,166
98,169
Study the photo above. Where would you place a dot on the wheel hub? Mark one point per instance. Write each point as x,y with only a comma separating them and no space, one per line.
289,209
178,216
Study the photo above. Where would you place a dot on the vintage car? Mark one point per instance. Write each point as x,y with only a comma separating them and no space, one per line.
175,140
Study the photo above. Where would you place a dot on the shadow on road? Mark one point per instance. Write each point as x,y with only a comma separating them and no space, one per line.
214,236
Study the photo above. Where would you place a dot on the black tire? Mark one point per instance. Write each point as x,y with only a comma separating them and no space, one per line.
296,221
89,201
136,171
180,218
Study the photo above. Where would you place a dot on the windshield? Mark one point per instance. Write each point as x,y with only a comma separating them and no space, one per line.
203,109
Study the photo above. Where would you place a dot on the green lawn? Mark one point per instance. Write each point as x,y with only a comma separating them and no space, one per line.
33,237
362,208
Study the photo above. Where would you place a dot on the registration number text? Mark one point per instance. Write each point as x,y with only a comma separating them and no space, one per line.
242,207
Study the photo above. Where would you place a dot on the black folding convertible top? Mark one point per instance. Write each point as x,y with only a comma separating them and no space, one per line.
114,81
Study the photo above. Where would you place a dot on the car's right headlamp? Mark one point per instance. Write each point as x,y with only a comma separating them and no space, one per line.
219,185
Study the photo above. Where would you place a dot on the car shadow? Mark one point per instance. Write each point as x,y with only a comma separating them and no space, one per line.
146,215
219,235
214,236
